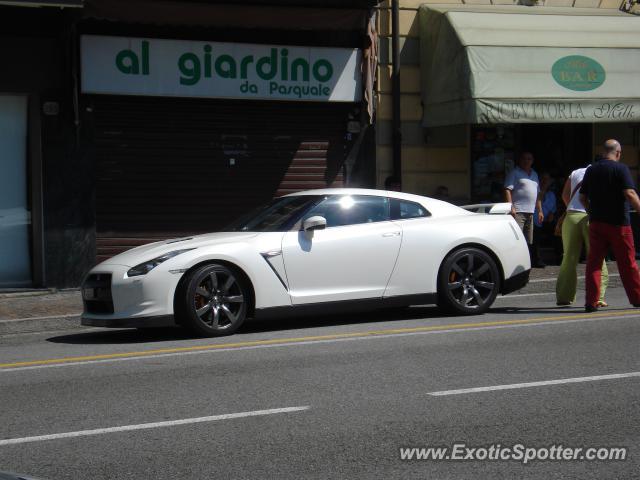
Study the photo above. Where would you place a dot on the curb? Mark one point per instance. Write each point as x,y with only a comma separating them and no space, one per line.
40,324
38,292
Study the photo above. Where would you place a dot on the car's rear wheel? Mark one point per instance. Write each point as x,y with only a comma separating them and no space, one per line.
215,301
468,282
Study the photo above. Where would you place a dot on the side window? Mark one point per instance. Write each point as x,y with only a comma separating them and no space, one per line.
404,209
342,210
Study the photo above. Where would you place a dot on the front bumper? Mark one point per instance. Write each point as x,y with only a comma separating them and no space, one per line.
134,322
112,299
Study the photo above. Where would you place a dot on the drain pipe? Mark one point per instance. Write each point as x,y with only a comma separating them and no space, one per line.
395,92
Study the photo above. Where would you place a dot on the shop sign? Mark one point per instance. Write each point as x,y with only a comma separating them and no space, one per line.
137,66
559,111
578,73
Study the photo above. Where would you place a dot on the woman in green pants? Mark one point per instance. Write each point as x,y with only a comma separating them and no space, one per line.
575,233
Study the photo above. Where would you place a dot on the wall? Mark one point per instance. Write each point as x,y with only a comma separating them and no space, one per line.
439,156
629,137
36,42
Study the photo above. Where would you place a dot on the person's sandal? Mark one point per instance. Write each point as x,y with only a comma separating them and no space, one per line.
602,303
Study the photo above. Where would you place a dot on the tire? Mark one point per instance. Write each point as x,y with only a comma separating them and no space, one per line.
468,282
214,301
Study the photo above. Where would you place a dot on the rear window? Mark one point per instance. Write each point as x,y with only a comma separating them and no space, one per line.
404,209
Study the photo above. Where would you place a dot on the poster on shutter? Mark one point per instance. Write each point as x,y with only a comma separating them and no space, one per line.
184,68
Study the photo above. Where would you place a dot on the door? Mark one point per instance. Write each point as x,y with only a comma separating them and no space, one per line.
558,148
15,220
352,258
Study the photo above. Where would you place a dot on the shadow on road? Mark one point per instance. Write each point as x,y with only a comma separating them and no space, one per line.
150,335
565,310
133,336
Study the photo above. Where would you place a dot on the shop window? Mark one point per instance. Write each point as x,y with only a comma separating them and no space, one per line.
492,158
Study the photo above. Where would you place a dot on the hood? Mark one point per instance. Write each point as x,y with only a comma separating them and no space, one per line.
147,252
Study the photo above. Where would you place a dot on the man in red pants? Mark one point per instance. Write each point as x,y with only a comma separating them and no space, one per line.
607,190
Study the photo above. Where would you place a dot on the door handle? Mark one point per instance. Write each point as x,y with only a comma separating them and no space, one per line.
391,234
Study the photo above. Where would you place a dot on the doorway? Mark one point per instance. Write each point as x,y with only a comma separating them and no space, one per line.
15,217
557,148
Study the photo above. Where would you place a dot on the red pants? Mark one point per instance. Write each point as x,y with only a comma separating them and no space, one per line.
620,239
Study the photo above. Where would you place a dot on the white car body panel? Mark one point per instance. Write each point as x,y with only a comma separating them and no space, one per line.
377,260
153,294
340,263
426,242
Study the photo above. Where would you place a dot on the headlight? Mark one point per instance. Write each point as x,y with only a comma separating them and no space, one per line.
146,267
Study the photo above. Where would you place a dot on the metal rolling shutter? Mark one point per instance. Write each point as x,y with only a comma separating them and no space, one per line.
168,167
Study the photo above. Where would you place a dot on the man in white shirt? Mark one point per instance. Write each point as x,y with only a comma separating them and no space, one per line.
522,191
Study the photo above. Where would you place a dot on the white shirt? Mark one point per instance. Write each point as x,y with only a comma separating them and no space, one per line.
575,205
524,189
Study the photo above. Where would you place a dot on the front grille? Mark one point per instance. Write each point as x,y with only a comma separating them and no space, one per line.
96,293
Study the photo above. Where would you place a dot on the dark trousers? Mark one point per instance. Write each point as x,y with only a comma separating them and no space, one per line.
620,239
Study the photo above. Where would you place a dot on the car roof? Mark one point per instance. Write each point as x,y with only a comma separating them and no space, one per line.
431,204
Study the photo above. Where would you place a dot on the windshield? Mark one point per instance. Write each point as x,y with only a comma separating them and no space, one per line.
277,216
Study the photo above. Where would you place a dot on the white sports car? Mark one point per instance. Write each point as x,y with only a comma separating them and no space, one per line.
313,251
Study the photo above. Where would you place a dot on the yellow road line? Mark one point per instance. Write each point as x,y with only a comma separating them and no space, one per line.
284,341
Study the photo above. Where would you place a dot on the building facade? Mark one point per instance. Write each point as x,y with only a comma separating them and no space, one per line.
135,121
38,140
483,81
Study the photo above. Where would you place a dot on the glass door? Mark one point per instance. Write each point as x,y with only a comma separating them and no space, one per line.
15,217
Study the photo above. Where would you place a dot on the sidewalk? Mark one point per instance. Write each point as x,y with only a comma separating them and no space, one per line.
39,310
49,310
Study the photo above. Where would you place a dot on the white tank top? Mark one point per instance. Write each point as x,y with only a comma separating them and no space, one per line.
576,177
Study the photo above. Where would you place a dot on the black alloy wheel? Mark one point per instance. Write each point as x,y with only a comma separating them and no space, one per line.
468,282
215,301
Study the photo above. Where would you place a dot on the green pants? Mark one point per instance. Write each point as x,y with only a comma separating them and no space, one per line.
575,232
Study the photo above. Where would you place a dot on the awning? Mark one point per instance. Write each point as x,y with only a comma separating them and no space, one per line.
517,64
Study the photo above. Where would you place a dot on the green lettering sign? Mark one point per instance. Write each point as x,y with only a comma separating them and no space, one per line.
226,66
128,61
271,62
322,70
578,73
189,66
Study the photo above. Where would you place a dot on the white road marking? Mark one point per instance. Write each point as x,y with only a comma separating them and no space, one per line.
553,279
145,426
515,386
507,297
314,342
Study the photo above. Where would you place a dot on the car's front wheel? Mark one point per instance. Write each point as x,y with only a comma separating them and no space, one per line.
214,301
468,282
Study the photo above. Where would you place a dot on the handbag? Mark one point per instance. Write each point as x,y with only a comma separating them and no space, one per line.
558,229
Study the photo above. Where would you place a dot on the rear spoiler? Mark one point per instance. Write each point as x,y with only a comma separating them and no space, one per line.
490,208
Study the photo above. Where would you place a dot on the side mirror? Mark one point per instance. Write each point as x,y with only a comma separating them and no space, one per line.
314,223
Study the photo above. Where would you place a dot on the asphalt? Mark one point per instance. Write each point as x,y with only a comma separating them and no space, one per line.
364,381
